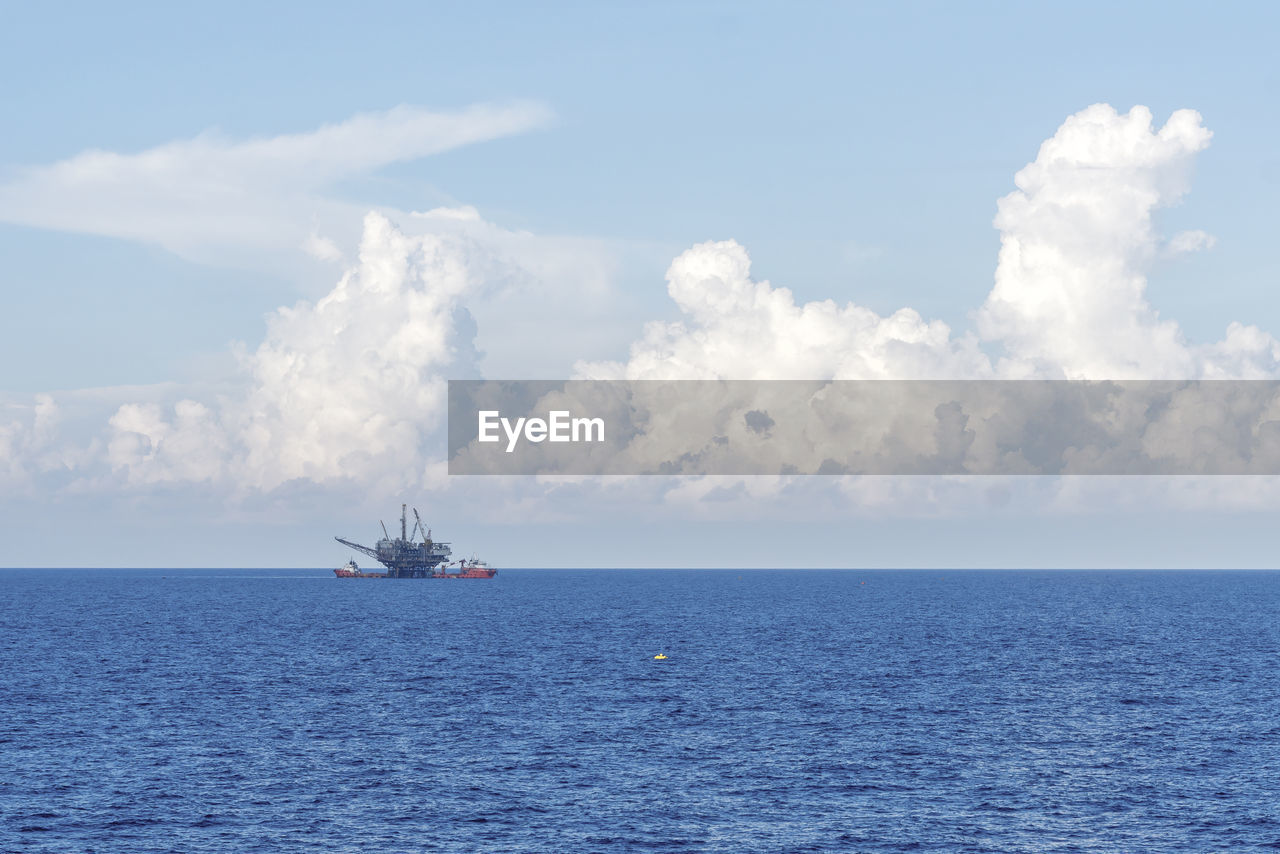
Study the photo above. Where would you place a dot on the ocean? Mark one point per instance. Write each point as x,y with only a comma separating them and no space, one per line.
282,710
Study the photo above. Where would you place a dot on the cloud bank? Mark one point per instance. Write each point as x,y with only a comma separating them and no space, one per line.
349,388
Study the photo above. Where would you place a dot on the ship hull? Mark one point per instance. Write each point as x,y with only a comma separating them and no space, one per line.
470,573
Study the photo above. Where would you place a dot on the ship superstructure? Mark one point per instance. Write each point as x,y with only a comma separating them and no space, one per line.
405,557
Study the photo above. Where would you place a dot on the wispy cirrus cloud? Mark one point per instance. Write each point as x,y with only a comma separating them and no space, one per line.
204,197
270,204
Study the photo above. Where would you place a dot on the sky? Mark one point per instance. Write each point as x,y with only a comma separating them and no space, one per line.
243,248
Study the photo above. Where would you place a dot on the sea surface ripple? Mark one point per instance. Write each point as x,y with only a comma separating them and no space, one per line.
281,711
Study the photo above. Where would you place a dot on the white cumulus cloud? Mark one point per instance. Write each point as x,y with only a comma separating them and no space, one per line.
345,388
1078,240
740,328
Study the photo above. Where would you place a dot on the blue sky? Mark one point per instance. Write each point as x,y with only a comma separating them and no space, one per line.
857,152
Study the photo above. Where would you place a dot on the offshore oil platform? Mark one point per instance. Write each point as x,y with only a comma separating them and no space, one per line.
404,557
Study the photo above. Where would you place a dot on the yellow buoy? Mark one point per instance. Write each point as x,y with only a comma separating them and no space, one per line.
660,657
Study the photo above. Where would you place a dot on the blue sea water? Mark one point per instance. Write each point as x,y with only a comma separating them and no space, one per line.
280,711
